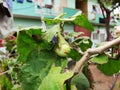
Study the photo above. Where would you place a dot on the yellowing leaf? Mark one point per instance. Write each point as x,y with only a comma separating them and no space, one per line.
100,59
55,79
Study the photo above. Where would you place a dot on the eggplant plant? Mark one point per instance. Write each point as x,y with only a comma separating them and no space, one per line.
41,60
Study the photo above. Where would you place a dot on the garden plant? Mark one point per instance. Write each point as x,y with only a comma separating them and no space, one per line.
50,59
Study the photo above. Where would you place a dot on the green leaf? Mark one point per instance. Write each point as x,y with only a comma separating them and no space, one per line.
75,34
37,57
55,20
38,61
55,79
61,62
5,83
83,42
34,30
49,21
28,81
50,33
72,34
110,68
26,43
35,68
81,82
64,63
100,59
82,21
78,19
74,55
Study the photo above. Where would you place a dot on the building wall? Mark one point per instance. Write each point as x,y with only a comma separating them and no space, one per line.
34,9
28,22
25,14
25,22
81,29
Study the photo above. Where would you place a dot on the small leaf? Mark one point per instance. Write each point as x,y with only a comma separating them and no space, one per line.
81,20
74,55
73,34
100,59
83,42
49,21
81,82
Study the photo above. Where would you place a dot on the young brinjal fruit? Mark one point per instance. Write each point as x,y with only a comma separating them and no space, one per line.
63,48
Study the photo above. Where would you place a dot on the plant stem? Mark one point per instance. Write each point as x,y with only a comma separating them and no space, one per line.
93,51
114,82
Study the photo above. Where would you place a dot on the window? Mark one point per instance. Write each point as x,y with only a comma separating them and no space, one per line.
102,37
95,36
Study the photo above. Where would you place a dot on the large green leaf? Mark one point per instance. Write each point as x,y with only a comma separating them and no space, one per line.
55,79
110,68
78,19
100,59
37,57
26,43
35,68
81,82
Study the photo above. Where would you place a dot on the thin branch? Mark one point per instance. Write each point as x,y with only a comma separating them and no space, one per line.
102,10
115,7
114,82
80,63
93,51
102,6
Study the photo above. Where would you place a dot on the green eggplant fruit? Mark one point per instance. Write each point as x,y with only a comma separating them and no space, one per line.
63,48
